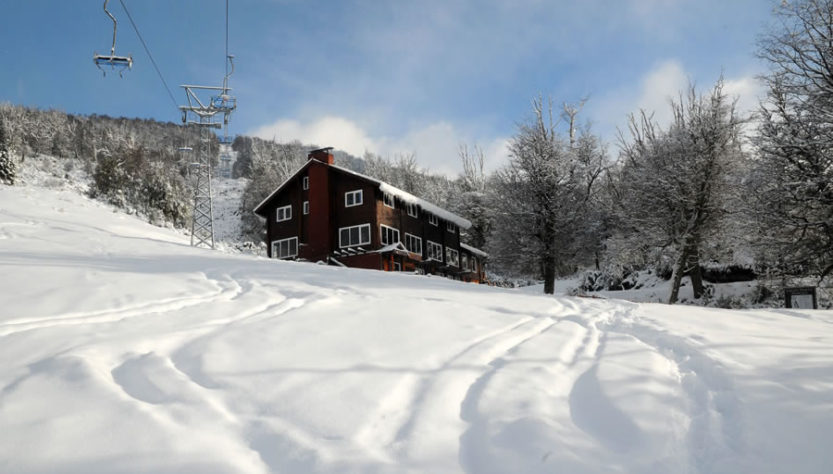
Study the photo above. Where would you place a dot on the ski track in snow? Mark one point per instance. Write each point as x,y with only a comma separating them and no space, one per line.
716,431
282,367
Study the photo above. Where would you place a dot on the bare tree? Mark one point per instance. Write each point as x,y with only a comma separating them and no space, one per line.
672,185
542,195
792,181
474,199
473,161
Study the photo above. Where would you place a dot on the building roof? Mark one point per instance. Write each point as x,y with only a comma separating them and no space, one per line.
257,210
473,250
385,188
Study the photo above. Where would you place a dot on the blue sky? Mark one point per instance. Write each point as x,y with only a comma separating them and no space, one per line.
390,77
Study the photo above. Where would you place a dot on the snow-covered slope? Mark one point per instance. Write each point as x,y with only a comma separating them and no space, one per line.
123,349
226,195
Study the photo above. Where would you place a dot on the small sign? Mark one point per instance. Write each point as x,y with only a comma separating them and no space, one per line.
803,297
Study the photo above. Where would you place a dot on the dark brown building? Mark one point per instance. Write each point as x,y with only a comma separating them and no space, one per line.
325,213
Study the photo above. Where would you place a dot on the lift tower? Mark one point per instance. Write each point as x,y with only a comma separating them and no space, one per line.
203,114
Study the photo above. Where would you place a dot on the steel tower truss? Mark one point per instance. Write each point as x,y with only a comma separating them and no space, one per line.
202,114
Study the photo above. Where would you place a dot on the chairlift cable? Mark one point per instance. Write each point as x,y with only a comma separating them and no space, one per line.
226,60
136,29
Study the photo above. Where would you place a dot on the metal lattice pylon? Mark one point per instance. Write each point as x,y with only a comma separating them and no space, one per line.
202,219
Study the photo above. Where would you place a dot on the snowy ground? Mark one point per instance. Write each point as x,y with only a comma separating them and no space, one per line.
225,201
123,349
656,290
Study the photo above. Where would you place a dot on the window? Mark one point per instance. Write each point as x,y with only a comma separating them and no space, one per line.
435,251
388,200
285,248
305,182
452,257
306,207
412,210
413,243
451,227
284,213
389,234
432,219
465,262
354,235
353,198
397,267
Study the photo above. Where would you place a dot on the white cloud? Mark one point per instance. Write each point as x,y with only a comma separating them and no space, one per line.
326,131
435,145
656,88
748,91
652,94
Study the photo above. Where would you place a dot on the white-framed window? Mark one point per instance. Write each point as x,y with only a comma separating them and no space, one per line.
389,234
433,220
285,248
452,227
413,243
435,251
306,207
413,211
354,235
397,267
283,213
452,257
305,182
353,198
388,200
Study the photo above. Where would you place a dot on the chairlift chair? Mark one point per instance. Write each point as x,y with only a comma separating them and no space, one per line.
118,63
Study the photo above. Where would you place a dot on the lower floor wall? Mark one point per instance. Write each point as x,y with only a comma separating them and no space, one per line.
393,262
370,261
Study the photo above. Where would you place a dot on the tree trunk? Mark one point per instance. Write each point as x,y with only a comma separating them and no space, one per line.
549,276
677,276
695,273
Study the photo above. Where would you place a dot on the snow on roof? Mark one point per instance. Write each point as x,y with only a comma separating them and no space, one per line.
385,188
411,199
425,205
474,250
392,247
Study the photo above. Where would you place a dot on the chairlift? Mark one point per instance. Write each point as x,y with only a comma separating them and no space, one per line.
118,63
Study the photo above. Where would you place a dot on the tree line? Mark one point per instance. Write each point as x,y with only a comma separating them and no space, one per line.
134,164
709,186
679,195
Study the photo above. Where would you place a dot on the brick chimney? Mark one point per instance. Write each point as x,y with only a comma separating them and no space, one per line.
323,155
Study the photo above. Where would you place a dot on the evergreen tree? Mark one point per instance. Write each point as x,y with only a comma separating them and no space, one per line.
7,166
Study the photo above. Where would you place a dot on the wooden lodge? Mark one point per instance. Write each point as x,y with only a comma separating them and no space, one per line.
325,213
